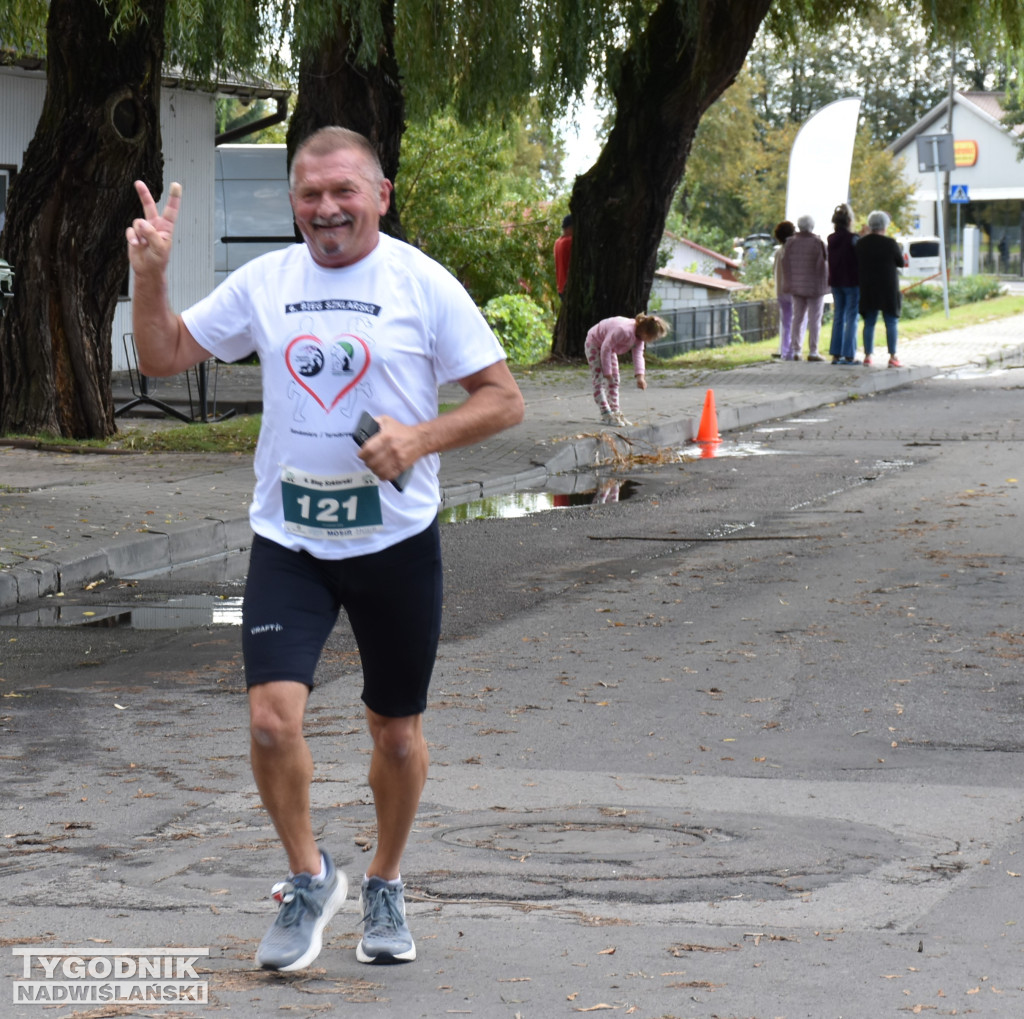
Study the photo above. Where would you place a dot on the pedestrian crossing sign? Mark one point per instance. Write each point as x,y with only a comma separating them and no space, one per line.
958,194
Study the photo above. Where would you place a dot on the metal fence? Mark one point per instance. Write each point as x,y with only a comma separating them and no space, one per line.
716,326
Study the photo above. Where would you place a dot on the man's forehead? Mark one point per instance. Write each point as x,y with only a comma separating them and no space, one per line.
338,166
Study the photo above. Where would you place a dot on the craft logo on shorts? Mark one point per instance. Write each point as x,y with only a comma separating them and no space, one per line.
109,976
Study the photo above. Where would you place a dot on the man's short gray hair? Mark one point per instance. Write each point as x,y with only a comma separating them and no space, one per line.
805,223
328,140
878,221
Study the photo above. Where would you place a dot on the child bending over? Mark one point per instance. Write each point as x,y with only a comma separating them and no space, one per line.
605,341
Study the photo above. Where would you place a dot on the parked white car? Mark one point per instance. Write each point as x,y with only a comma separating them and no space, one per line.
920,256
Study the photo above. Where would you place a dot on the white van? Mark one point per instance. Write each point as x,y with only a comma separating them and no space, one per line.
920,256
252,214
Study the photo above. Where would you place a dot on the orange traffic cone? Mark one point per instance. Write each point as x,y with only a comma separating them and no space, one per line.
708,431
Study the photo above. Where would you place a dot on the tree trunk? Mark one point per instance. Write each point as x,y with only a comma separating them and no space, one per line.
687,56
66,217
334,91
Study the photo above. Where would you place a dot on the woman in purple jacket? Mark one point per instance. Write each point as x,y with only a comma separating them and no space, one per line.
843,279
805,279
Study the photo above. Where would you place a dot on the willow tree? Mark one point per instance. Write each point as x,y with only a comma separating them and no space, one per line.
99,130
349,77
366,64
73,198
686,56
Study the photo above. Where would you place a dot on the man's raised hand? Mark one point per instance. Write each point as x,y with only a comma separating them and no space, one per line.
149,238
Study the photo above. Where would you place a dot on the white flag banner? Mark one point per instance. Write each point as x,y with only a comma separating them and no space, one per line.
819,165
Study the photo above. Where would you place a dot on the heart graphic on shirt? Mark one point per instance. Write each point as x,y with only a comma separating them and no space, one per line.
327,371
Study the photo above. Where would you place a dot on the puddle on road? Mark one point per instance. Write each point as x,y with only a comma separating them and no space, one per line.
522,504
980,371
175,613
728,447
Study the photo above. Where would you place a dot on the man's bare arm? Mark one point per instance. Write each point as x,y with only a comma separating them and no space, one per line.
162,340
494,403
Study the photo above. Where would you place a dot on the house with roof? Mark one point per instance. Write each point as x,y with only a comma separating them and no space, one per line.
985,152
688,256
676,288
188,128
694,276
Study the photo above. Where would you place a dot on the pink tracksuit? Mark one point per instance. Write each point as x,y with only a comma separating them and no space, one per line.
605,341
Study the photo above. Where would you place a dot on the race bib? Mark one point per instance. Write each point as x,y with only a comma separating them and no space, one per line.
336,508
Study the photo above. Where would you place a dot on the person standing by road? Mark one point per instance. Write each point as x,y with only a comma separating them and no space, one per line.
605,341
843,279
563,252
351,322
805,279
879,261
783,232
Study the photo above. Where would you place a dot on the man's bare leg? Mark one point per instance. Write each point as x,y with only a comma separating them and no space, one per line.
398,773
283,767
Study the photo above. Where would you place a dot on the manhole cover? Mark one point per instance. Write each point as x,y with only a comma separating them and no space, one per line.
606,841
647,856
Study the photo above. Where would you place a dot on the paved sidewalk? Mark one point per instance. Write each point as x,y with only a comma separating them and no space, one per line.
68,519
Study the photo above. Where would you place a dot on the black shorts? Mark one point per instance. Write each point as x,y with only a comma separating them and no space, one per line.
393,602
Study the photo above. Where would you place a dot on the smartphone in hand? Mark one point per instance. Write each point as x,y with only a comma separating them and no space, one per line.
365,427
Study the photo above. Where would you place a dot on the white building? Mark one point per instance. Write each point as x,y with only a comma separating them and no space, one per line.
187,125
687,256
985,153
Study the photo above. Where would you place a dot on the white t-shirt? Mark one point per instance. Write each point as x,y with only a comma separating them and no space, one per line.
378,336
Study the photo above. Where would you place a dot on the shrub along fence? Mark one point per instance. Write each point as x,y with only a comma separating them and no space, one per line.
716,326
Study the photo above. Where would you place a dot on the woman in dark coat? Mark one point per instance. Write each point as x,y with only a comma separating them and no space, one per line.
879,261
844,281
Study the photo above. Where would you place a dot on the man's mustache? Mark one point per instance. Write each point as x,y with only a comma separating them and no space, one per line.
342,219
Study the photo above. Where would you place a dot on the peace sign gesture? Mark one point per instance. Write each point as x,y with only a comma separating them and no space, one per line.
149,239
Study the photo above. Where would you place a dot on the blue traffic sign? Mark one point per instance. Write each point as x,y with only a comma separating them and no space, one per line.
958,194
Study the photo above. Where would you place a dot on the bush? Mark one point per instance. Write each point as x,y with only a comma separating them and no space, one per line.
519,324
966,290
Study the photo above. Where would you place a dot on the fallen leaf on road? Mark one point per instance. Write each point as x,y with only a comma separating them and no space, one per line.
607,951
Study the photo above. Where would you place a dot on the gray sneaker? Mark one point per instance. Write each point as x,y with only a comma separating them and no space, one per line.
307,905
386,937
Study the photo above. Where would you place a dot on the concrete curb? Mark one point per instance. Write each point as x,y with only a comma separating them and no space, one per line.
157,549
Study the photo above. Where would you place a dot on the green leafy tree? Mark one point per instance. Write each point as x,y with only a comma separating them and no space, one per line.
727,149
465,199
877,182
519,324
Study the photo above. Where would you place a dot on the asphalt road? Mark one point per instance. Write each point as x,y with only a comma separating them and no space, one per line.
745,744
